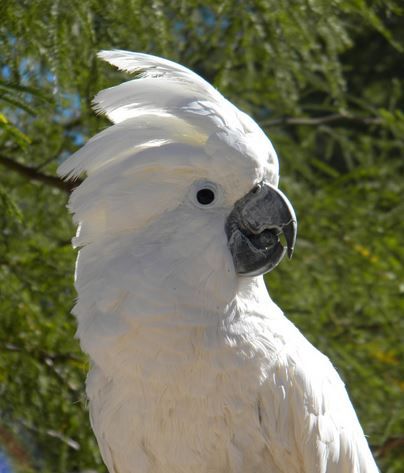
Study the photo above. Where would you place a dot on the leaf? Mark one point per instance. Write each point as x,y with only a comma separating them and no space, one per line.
9,206
10,129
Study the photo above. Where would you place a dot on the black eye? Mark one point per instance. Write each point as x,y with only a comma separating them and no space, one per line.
205,196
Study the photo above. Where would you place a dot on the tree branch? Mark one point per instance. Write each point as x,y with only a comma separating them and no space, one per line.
76,121
389,444
43,356
332,118
54,434
35,175
48,360
13,448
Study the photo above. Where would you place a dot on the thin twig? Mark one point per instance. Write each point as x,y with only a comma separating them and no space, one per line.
315,121
56,357
49,360
54,434
76,121
35,175
392,443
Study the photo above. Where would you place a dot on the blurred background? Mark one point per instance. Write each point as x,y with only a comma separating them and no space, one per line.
325,79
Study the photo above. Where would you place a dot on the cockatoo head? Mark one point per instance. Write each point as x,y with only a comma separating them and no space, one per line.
183,183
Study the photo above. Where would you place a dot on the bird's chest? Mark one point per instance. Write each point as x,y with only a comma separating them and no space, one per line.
182,402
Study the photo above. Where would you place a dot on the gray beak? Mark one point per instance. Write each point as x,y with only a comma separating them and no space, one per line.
253,229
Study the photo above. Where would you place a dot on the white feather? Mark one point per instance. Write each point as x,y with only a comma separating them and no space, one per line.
193,368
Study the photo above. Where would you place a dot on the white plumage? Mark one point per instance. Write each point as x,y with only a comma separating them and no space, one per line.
193,368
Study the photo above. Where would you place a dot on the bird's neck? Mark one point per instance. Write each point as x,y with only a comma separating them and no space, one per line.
121,307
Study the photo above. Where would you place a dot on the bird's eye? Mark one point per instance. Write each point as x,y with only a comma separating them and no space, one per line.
205,196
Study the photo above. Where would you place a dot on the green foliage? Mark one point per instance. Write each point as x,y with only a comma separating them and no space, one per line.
324,78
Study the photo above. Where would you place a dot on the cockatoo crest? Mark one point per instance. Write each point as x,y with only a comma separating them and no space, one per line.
166,103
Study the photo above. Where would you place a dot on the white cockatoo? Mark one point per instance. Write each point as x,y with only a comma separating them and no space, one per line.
193,368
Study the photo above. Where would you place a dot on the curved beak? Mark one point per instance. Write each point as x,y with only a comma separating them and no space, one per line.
254,227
